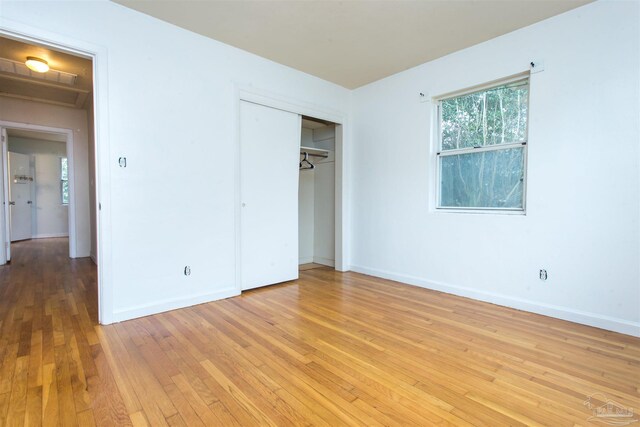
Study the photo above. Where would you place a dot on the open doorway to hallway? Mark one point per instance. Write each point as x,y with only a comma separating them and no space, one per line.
48,147
38,186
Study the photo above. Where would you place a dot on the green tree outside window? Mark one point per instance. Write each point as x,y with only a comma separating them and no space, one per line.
482,155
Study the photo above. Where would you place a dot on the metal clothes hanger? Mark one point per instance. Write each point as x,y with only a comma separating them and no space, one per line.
305,163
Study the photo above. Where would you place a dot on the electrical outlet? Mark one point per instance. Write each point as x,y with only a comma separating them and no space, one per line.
187,270
543,274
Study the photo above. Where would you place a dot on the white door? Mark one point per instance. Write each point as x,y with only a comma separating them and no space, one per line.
269,157
20,181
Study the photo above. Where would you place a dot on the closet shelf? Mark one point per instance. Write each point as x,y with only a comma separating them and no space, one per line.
316,152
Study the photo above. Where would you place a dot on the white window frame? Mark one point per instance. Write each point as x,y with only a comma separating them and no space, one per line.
444,153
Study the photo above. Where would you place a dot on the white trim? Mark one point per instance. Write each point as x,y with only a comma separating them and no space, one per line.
305,260
6,229
70,170
472,150
324,261
565,313
342,186
49,235
280,102
171,304
268,99
98,54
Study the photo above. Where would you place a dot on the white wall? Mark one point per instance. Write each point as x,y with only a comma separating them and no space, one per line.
35,113
174,205
50,218
324,242
583,175
306,137
306,220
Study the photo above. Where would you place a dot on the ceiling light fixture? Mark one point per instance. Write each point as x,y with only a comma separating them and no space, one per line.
36,64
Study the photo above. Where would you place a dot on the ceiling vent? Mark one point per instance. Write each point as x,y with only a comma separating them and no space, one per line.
15,67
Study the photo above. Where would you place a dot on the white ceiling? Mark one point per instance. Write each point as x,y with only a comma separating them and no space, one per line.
42,136
352,42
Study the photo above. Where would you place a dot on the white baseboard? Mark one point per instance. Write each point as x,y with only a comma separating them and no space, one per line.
305,260
93,258
324,261
171,304
49,235
564,313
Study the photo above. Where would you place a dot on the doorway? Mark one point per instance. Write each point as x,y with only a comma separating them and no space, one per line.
270,192
316,194
38,185
60,101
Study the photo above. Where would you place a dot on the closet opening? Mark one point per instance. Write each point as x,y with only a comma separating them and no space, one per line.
289,192
317,195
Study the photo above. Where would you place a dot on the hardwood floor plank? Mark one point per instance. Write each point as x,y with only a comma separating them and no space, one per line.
85,418
112,346
49,396
66,404
33,415
138,419
4,407
18,399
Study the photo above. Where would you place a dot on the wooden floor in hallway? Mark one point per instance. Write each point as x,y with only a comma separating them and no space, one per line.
330,349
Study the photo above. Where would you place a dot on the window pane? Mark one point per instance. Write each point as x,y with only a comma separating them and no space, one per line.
490,117
487,179
64,174
65,192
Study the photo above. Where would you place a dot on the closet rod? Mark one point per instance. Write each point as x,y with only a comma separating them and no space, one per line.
324,156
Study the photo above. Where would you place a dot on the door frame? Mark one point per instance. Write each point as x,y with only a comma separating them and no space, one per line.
71,175
267,99
99,56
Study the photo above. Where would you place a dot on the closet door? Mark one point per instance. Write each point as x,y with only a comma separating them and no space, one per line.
269,157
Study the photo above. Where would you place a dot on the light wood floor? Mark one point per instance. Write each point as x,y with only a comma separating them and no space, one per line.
330,349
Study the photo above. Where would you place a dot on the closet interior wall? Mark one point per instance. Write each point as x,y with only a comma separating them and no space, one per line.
316,207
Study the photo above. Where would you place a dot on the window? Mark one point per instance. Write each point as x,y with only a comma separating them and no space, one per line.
482,150
64,181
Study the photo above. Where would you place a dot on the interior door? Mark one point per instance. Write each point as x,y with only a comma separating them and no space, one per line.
20,181
269,157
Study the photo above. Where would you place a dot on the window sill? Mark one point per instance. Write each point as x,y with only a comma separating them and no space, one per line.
521,212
